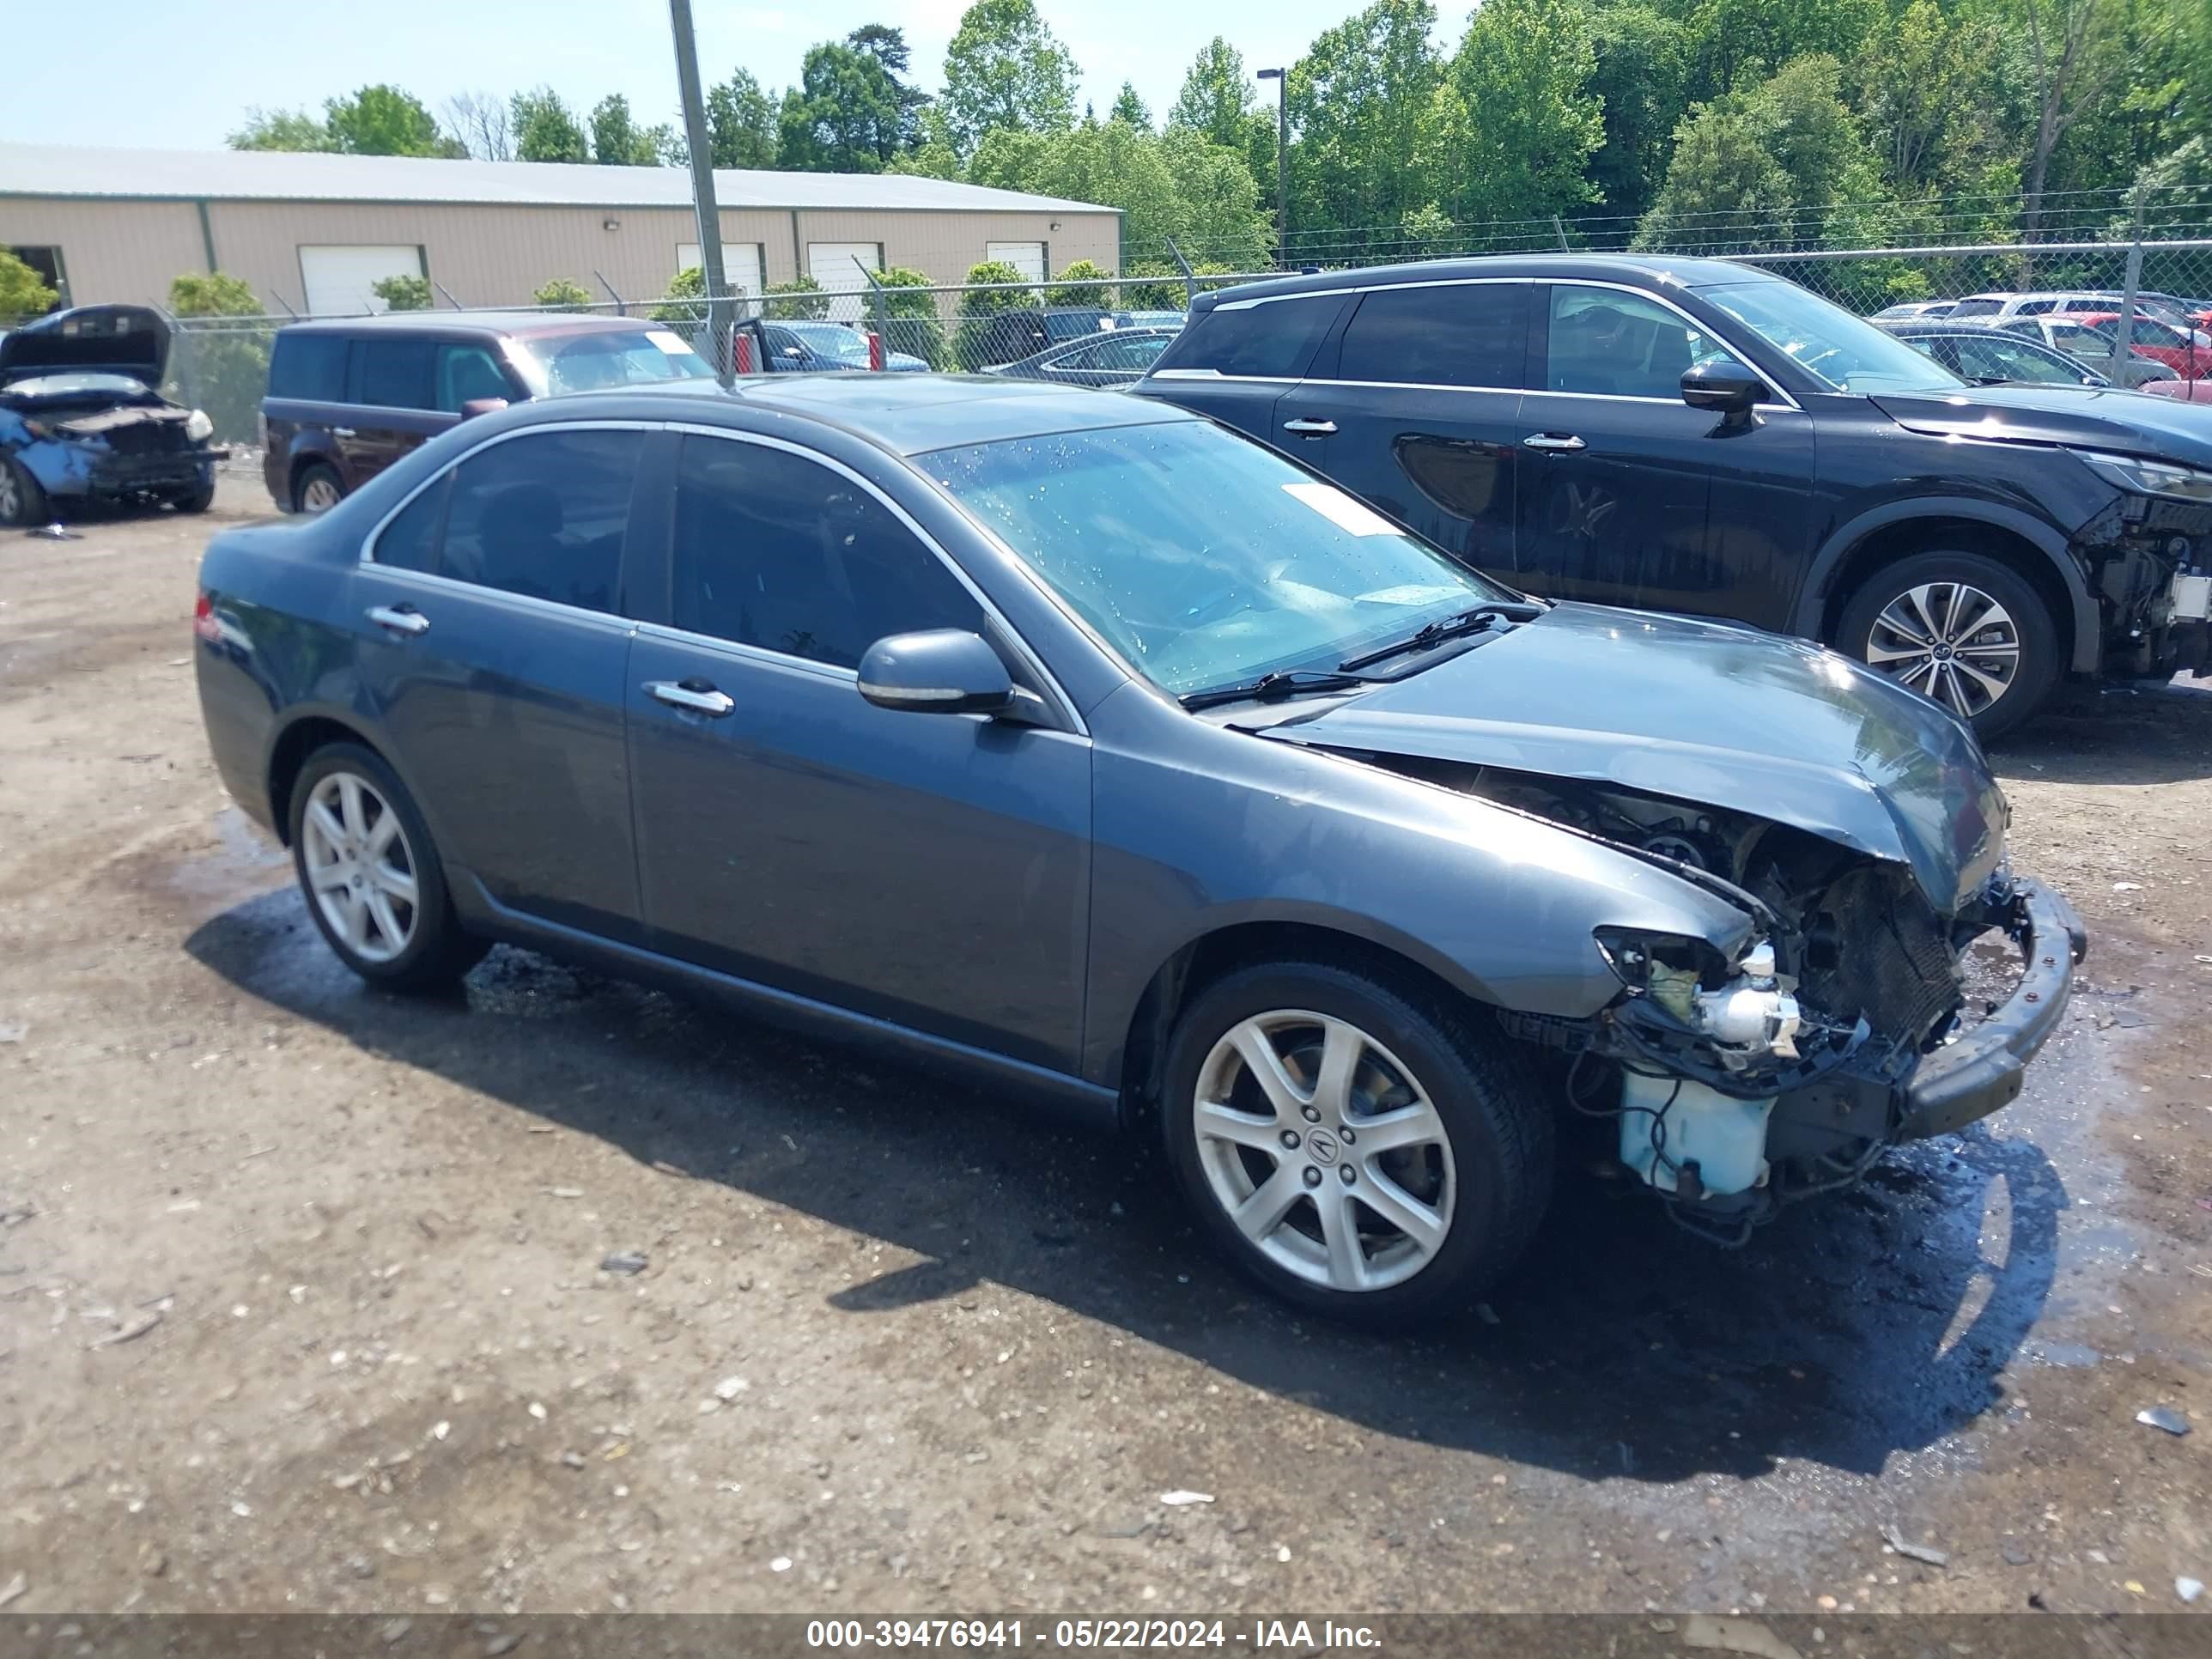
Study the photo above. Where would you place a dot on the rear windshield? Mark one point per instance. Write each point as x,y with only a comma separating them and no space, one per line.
607,361
1272,341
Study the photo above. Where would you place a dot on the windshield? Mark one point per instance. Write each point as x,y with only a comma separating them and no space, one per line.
1848,353
1205,560
832,340
606,361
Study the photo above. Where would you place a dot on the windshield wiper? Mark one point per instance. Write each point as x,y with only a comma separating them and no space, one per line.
1448,628
1281,684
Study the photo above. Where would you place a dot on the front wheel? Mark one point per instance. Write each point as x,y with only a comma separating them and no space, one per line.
1359,1148
371,876
1959,627
21,500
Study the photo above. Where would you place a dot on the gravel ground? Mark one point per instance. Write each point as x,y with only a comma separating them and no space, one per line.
303,1300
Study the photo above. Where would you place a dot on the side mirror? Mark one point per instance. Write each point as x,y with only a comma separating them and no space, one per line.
1723,388
476,406
943,670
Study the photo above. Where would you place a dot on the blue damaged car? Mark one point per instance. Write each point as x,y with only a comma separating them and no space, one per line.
81,420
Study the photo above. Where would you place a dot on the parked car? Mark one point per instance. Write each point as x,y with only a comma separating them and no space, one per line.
2186,351
1991,303
2078,337
2148,303
348,398
1995,356
1171,320
1116,358
2198,390
1080,745
813,348
1694,435
81,420
1914,311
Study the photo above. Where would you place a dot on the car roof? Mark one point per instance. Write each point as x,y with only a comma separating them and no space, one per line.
906,414
1654,270
453,325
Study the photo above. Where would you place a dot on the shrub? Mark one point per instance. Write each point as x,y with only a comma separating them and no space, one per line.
564,294
911,321
403,293
801,300
686,299
23,292
987,335
1167,296
221,369
1083,283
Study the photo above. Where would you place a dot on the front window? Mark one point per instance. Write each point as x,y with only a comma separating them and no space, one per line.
834,341
605,361
1847,353
1205,560
1615,344
1997,360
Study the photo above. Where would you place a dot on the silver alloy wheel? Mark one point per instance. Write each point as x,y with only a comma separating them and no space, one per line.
319,494
1949,641
360,868
11,495
1324,1150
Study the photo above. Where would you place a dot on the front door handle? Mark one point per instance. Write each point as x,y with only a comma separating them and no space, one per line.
399,619
1306,428
695,695
1553,441
342,432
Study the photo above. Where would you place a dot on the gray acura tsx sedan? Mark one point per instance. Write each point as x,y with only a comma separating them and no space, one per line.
1078,742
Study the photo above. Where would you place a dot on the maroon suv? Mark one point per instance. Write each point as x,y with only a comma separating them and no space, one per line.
348,398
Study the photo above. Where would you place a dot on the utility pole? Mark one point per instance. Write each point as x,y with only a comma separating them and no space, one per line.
703,185
1282,80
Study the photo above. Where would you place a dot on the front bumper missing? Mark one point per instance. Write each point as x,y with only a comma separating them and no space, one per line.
1984,1070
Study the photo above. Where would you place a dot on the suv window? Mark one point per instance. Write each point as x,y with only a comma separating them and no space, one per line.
1604,341
466,372
1274,341
544,515
309,367
1469,334
391,373
1977,307
775,551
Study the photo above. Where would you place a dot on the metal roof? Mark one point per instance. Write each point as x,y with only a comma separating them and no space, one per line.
225,175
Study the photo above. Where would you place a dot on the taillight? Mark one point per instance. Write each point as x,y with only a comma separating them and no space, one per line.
875,349
203,622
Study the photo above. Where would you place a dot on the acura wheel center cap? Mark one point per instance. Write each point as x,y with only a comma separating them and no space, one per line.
1320,1146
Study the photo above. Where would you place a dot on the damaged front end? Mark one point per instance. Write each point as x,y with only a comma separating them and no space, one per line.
1740,1086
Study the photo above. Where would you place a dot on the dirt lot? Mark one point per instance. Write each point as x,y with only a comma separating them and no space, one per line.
301,1303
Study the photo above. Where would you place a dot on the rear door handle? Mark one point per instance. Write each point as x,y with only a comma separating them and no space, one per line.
399,619
695,695
1553,441
342,432
1306,428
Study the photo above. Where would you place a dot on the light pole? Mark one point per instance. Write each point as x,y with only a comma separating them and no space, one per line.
1282,81
702,186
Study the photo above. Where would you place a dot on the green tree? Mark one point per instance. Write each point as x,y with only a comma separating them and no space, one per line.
1428,234
1640,76
617,141
1722,176
1006,68
544,130
1363,103
382,120
843,117
741,123
1742,42
403,293
1166,294
1217,211
800,300
912,322
223,370
562,293
1925,88
1527,121
283,129
1815,138
1085,283
1130,108
685,301
888,47
982,339
1216,100
23,292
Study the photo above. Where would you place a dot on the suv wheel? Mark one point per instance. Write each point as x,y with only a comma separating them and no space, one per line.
1358,1149
317,489
21,500
371,877
1959,627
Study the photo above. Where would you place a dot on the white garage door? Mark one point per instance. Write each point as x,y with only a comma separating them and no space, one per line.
338,280
837,266
741,266
1027,257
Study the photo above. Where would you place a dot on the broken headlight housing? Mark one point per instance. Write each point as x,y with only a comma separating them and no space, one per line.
197,427
2147,477
1747,1011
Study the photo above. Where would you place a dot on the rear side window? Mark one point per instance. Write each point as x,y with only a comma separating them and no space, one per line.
1442,334
1273,340
393,374
309,367
544,515
409,542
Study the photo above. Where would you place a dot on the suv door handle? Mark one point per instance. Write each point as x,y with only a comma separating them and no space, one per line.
1306,428
342,432
399,619
1553,441
695,695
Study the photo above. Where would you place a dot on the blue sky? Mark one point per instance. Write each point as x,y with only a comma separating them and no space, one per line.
155,73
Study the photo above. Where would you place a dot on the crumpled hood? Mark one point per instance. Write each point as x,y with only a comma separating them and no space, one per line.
130,340
1724,716
2127,423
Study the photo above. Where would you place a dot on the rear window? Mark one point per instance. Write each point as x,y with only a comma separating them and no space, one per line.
1274,340
1977,307
309,367
393,374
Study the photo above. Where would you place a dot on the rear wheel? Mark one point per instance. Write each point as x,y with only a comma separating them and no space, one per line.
317,489
371,876
21,500
1357,1147
198,498
1959,627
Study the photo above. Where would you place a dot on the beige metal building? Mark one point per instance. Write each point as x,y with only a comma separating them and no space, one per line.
312,232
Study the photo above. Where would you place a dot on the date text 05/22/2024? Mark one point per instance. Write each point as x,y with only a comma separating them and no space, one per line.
1162,1635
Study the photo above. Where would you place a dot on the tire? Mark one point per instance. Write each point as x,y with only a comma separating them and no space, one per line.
352,881
198,498
1480,1164
1917,593
21,502
316,480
